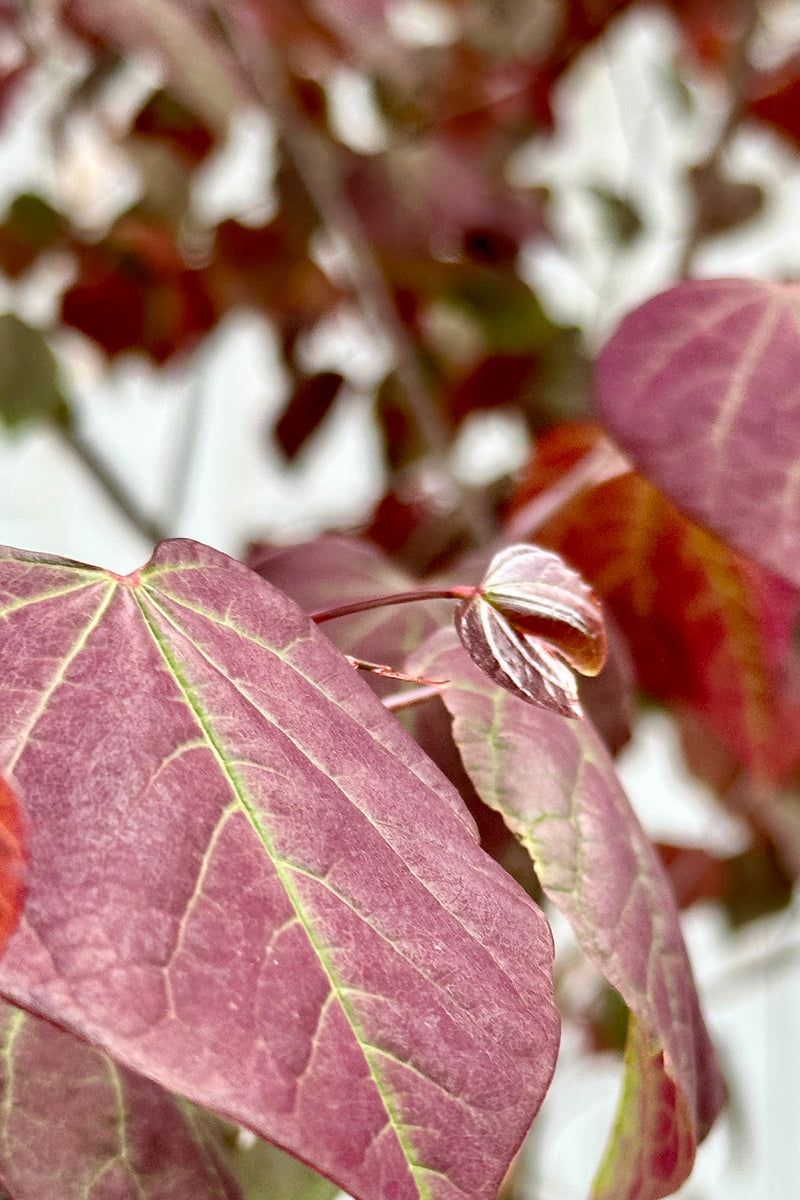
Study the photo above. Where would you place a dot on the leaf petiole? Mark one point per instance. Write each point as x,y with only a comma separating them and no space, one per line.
357,606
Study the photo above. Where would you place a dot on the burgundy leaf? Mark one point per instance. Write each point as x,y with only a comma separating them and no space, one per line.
700,387
332,570
554,783
12,862
253,887
305,410
75,1124
530,613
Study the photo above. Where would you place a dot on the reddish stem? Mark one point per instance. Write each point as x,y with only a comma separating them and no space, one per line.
357,606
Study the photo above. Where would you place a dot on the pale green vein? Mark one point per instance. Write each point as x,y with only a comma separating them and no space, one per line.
122,1157
26,601
58,678
16,1021
239,790
281,654
189,907
318,766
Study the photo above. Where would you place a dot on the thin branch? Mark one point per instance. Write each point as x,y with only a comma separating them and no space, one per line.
739,78
185,453
117,492
315,161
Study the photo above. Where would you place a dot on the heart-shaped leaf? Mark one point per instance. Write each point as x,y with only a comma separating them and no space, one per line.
253,887
12,862
530,613
699,385
555,786
76,1124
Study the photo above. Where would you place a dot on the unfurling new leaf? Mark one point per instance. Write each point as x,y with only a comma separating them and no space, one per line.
530,623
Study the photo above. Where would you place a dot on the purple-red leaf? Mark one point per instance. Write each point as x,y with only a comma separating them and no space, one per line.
252,886
531,613
333,570
75,1124
555,785
699,385
12,862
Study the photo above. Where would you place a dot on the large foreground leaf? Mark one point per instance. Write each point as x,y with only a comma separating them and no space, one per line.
554,783
700,386
253,887
76,1125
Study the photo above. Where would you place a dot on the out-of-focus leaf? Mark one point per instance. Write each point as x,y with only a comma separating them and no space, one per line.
555,785
30,388
30,227
333,570
12,862
268,267
706,627
722,204
163,118
264,1172
774,97
699,386
224,901
77,1124
135,291
305,410
620,214
199,69
531,616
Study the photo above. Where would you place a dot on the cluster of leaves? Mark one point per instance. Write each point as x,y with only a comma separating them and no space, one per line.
254,894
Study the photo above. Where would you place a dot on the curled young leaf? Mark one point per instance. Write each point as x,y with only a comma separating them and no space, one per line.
531,620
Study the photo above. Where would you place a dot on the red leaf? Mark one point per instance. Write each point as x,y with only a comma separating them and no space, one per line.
699,385
12,863
774,97
530,613
556,788
305,410
165,119
705,626
134,291
224,900
76,1124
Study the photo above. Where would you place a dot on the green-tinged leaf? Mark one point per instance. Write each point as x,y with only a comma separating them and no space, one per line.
264,1172
554,783
30,389
74,1125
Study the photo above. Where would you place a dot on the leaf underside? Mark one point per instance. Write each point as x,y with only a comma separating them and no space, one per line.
251,886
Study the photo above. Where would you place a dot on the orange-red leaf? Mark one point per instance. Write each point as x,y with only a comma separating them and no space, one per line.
12,862
706,626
